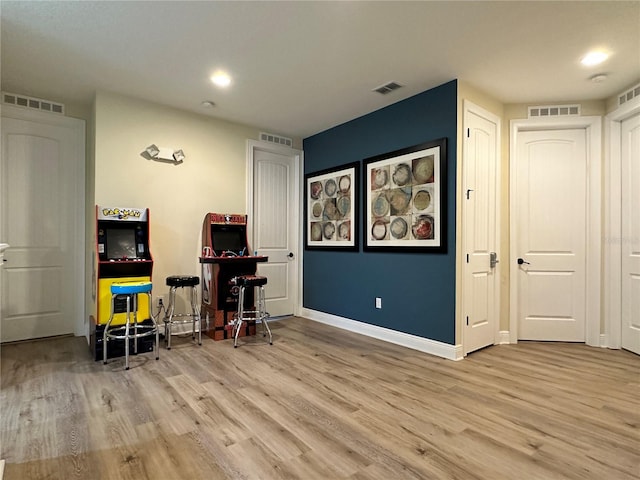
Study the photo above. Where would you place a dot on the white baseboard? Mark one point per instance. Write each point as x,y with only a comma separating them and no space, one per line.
504,337
604,341
433,347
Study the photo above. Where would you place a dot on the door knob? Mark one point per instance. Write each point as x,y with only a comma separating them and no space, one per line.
290,255
493,260
522,260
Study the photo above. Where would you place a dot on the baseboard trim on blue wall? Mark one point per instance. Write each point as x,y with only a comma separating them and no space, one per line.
433,347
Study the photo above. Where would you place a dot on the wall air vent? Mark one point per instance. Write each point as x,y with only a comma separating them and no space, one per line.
630,94
544,111
32,103
387,88
270,137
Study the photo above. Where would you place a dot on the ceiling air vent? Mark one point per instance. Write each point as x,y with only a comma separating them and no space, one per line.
270,137
629,95
32,103
543,111
387,88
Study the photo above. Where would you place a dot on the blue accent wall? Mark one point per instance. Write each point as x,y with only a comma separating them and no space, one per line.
417,289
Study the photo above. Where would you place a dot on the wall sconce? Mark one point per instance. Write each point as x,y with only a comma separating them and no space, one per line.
178,155
153,152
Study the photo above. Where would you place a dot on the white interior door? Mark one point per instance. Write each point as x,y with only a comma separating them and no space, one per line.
551,221
275,218
481,181
42,215
630,245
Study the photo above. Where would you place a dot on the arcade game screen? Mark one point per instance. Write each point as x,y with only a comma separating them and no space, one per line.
228,238
121,243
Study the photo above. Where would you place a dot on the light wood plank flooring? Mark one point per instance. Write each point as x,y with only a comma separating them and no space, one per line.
320,403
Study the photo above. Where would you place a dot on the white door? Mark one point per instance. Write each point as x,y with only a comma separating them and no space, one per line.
630,245
551,221
274,214
42,218
481,181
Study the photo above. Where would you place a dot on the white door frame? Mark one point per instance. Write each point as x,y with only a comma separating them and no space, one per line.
252,146
613,227
80,327
593,128
470,107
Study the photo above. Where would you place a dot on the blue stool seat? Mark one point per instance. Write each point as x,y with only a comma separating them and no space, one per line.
127,288
130,330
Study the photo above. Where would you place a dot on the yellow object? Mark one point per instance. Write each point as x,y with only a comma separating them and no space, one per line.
104,301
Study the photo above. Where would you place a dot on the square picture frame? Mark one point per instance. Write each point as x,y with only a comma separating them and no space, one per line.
405,195
331,208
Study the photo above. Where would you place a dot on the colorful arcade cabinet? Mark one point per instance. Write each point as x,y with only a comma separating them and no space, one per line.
226,255
121,254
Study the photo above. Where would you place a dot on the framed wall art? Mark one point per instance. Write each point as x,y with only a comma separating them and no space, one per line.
405,199
331,208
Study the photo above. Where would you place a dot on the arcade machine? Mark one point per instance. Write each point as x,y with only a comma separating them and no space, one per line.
122,254
225,255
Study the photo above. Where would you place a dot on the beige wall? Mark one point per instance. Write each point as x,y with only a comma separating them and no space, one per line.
212,177
518,112
506,112
470,93
612,102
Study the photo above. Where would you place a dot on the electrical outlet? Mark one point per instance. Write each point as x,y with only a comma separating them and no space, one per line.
378,302
159,301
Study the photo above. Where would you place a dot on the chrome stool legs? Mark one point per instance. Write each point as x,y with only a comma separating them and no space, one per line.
171,318
260,312
130,290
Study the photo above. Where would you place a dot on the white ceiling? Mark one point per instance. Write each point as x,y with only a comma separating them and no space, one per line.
301,67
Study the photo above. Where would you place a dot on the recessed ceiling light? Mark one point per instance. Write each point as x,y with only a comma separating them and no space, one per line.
207,104
594,58
598,78
221,79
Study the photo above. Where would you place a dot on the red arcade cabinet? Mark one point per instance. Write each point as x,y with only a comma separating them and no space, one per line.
226,254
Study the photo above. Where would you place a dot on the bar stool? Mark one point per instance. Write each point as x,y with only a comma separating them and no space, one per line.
260,312
130,290
182,281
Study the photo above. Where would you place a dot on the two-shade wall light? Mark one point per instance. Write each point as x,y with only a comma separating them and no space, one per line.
153,152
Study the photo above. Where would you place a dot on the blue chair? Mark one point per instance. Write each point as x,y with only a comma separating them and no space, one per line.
130,330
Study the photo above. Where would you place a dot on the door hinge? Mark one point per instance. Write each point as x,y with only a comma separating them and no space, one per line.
467,258
468,132
467,321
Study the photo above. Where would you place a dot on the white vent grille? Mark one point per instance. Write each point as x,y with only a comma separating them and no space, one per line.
270,137
32,103
543,111
629,95
387,88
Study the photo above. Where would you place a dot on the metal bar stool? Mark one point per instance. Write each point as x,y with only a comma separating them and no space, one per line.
260,312
182,281
130,290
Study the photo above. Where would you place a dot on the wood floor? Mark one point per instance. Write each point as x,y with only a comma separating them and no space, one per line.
320,403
